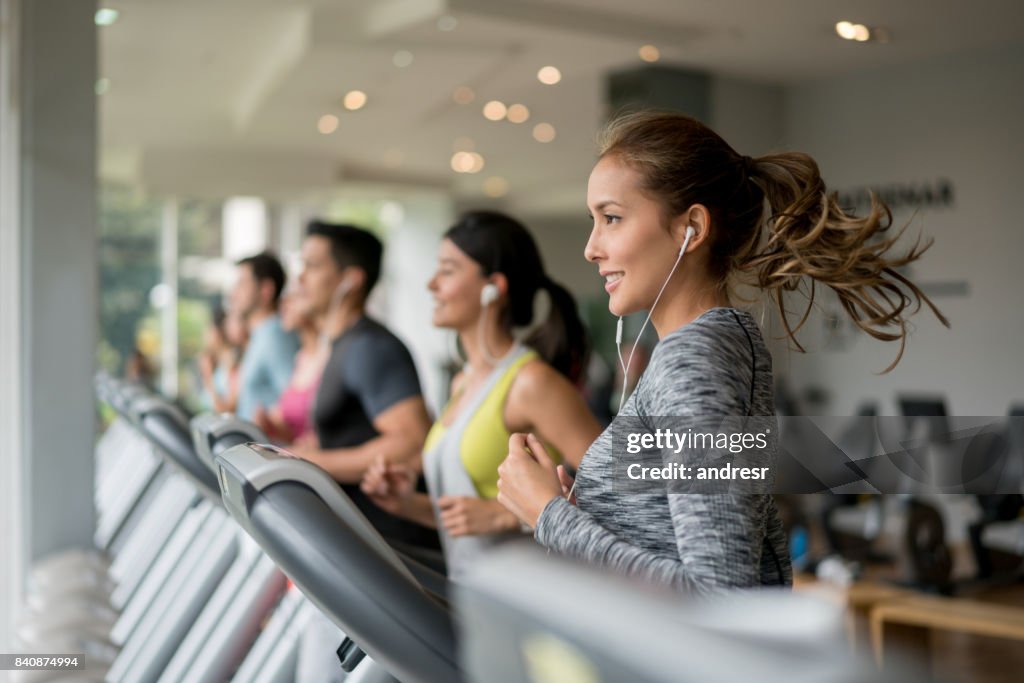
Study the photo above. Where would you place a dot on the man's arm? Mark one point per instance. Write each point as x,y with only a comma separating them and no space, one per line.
402,430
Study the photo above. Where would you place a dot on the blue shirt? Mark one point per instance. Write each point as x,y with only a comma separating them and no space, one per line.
266,366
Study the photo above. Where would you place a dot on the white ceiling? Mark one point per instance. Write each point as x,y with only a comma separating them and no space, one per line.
218,97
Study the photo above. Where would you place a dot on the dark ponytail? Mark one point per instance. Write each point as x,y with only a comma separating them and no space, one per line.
501,244
561,339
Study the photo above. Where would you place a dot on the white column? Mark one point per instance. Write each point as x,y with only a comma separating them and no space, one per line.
410,258
59,305
11,538
292,218
245,227
168,303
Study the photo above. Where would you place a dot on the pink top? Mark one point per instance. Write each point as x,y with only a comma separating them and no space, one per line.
296,405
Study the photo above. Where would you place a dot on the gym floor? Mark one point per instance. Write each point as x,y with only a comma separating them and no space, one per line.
961,657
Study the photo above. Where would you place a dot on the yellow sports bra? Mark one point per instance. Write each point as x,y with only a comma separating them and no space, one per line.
484,442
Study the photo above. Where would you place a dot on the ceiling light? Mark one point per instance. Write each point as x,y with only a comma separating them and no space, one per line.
327,124
355,99
402,59
102,86
463,95
105,16
461,162
844,29
467,162
549,75
518,113
495,187
649,53
543,132
848,30
447,23
495,110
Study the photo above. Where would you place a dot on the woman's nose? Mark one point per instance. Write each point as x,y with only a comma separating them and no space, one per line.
592,251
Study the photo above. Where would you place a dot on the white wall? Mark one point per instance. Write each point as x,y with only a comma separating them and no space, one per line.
959,118
561,241
750,116
402,299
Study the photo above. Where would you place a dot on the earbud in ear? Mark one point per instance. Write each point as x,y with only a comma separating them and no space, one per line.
691,232
489,294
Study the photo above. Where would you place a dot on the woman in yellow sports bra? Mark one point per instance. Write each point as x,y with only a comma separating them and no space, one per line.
489,274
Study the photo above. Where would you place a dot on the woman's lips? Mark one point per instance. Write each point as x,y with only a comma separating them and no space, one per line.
612,281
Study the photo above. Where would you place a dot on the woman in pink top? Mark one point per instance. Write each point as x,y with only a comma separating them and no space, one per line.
289,420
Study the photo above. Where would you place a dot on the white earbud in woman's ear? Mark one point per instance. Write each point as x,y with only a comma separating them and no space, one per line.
489,294
691,232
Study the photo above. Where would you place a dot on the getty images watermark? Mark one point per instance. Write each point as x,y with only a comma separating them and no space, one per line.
756,455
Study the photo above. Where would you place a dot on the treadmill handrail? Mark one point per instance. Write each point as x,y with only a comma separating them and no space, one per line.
167,428
432,582
391,617
261,473
305,522
210,428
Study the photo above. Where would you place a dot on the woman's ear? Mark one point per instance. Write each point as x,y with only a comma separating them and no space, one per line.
501,281
697,217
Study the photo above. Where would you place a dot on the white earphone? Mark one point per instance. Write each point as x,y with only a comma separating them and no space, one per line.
691,232
333,309
489,294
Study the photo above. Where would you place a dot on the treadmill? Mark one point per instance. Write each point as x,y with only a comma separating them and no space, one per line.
186,567
391,608
528,618
205,607
523,617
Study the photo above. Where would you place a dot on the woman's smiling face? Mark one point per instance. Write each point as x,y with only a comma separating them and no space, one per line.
630,242
456,287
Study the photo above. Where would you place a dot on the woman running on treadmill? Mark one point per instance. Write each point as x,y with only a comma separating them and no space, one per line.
489,277
291,419
667,189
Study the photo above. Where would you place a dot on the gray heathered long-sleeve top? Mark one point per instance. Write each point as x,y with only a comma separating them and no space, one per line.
717,365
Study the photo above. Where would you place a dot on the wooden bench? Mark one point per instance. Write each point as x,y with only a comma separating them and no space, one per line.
857,599
904,625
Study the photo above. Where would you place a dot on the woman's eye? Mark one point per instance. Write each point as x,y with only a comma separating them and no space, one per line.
611,219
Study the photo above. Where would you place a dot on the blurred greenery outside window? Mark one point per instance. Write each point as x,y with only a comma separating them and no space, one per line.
130,268
130,334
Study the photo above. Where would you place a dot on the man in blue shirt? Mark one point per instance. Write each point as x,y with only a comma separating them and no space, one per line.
270,356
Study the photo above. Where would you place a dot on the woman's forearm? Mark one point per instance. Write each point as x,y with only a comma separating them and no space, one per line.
418,508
